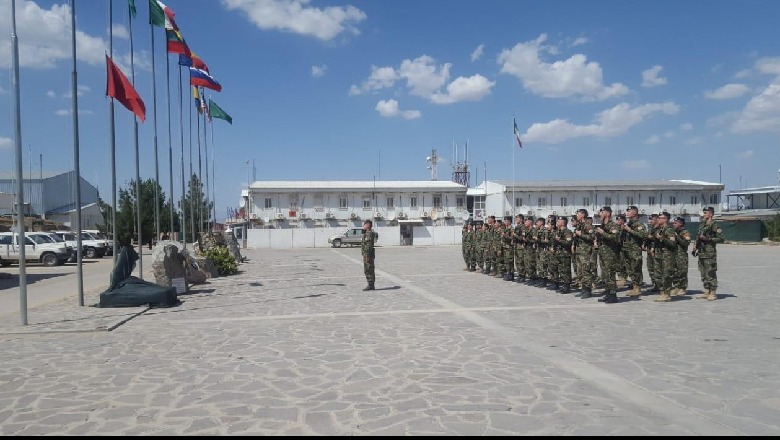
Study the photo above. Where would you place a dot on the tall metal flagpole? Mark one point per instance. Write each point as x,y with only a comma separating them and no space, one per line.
512,145
192,193
19,176
170,141
76,167
213,177
206,155
112,134
156,164
181,139
137,162
200,182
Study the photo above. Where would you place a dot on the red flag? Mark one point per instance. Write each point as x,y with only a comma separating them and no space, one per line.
118,87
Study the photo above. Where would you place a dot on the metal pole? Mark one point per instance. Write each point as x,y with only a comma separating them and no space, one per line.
206,155
181,139
200,183
170,141
19,176
112,134
156,165
213,177
192,193
137,165
77,168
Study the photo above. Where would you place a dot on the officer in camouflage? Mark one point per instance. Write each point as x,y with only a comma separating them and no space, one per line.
666,245
707,237
680,281
367,250
635,234
583,251
562,242
608,236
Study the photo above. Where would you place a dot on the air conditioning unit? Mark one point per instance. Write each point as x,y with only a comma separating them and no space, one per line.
425,214
377,214
401,215
684,211
280,216
253,215
448,214
329,215
353,215
530,213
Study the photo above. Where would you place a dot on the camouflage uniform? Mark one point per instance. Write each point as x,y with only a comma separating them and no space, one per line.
464,245
708,236
530,253
609,251
583,253
367,250
666,238
680,281
479,247
508,253
562,241
519,248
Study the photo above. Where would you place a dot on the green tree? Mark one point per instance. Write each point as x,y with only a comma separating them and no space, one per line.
195,198
105,211
126,214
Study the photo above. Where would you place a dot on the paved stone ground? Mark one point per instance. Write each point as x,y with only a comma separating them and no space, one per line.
292,346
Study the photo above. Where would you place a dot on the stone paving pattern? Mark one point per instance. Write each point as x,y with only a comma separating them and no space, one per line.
292,346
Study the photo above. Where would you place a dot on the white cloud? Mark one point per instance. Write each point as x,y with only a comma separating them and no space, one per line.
318,71
608,123
635,164
742,74
51,94
477,54
464,89
670,134
728,91
44,37
650,77
298,17
424,78
80,90
574,77
120,32
5,143
389,109
654,139
768,65
747,154
68,112
761,113
142,61
579,42
695,141
686,126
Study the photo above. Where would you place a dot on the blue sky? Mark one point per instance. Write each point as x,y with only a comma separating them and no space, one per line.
358,90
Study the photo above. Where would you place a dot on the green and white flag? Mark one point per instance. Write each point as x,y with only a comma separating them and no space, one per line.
217,112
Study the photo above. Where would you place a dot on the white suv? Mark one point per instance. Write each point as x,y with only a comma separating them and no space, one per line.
50,254
51,237
90,247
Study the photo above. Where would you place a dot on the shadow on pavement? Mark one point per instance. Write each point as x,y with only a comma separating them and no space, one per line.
388,288
13,281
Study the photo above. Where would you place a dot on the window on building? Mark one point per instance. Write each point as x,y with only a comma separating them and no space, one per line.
518,202
672,200
268,203
366,202
437,201
694,200
651,200
607,201
413,202
460,202
564,202
629,200
293,202
586,201
318,201
479,207
542,202
343,203
714,199
390,202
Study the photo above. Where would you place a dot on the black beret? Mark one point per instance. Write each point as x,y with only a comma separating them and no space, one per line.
584,211
665,214
632,207
620,217
606,208
709,209
679,219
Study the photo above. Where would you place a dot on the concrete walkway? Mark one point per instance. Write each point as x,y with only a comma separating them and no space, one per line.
292,346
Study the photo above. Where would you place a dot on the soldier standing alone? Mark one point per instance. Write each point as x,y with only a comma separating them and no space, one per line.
709,234
367,249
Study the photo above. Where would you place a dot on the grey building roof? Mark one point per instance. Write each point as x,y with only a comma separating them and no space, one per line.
356,185
749,191
609,185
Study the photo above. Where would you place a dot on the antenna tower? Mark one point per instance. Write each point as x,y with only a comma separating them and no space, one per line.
433,162
460,170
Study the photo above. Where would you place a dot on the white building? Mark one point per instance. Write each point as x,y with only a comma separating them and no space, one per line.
762,202
307,212
685,198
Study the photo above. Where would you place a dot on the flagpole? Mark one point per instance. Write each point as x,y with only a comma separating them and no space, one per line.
213,177
192,193
156,165
181,139
170,141
112,134
137,161
20,223
200,181
76,168
512,146
206,155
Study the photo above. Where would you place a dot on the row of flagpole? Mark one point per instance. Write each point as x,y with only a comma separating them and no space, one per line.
118,87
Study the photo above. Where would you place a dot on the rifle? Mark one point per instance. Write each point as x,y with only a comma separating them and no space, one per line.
699,245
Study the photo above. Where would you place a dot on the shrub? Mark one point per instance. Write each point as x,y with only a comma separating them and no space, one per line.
773,228
223,260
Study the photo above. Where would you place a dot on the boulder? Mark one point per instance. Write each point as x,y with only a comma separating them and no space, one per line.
168,263
232,245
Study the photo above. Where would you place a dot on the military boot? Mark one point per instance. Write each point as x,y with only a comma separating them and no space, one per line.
704,294
510,276
370,286
635,292
586,293
566,289
519,279
610,297
466,268
679,292
665,296
712,296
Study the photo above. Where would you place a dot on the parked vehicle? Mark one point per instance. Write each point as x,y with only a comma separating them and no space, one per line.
90,247
350,237
97,235
70,240
50,254
51,237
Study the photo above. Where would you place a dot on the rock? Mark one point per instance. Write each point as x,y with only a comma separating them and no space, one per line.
232,245
207,265
168,263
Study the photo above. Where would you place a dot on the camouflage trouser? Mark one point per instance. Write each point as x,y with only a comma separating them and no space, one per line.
651,268
665,259
708,267
541,263
562,267
633,262
608,259
681,270
530,262
509,259
479,255
594,265
658,266
465,253
368,268
575,265
519,261
584,269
